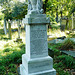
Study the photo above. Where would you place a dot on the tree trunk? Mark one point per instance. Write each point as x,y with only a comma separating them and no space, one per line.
45,5
57,14
9,27
18,28
5,27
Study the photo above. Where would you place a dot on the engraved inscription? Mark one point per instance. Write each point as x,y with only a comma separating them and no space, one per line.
38,34
44,65
38,27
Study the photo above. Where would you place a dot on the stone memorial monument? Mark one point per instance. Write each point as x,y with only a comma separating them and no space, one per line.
36,60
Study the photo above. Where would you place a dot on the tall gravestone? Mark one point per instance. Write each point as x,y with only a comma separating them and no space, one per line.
73,20
19,31
5,27
36,60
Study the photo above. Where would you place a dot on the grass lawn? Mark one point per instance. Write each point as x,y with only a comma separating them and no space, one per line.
64,64
11,53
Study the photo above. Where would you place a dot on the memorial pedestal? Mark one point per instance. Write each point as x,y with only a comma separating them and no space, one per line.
36,60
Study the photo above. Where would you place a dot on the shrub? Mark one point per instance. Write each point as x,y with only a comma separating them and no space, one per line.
19,61
7,50
61,72
13,58
53,48
68,61
11,49
57,65
67,44
11,73
22,46
12,68
2,70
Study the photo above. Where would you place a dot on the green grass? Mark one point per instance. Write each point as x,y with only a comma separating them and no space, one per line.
10,60
11,53
61,61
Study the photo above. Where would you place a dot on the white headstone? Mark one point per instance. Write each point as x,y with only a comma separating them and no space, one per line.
73,21
36,60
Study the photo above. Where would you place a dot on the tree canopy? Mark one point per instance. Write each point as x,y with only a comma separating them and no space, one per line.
59,8
19,10
13,9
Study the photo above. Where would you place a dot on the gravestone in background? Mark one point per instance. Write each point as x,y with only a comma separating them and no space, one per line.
19,31
36,60
5,27
69,26
73,20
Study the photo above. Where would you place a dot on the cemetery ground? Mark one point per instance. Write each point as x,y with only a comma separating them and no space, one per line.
11,52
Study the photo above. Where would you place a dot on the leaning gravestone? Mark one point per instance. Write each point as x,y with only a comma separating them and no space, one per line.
36,60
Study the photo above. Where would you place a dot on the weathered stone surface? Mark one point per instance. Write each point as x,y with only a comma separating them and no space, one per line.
36,41
47,72
36,19
36,60
37,64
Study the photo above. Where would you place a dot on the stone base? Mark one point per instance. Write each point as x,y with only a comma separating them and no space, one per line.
37,66
48,72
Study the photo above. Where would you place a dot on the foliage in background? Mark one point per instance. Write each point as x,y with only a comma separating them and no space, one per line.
19,10
1,18
14,10
12,57
61,61
67,44
7,9
68,61
59,8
